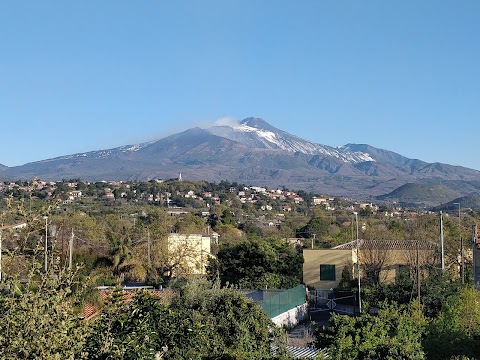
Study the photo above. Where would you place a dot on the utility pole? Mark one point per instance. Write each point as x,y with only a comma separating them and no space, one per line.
313,239
358,266
475,251
1,230
441,242
71,251
418,275
46,243
63,260
463,261
462,258
148,249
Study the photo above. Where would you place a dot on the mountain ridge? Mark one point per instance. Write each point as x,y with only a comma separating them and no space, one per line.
255,152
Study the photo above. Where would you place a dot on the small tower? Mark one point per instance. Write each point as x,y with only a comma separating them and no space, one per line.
180,177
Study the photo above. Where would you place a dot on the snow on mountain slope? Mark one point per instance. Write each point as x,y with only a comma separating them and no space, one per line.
103,154
258,133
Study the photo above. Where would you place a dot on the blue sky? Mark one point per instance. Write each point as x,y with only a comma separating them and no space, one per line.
77,76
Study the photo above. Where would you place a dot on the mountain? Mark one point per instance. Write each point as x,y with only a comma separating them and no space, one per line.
471,201
2,169
258,133
421,194
255,152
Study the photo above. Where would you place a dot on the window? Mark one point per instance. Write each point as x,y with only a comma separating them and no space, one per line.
327,272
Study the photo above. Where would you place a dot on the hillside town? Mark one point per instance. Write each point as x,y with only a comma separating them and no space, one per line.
271,201
148,236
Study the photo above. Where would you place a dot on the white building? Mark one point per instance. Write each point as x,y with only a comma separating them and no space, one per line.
189,253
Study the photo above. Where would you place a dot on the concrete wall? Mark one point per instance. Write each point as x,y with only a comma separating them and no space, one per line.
313,258
292,317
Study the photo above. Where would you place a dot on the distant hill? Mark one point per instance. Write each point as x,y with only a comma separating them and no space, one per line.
425,194
470,201
255,152
3,177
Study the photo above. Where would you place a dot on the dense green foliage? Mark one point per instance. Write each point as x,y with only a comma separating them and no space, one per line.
125,239
38,318
41,320
201,323
394,333
259,263
450,319
456,331
435,289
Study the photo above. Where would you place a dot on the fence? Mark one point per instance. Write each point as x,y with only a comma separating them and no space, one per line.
342,302
284,301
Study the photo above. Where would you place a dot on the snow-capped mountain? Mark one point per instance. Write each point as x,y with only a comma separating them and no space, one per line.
253,152
258,133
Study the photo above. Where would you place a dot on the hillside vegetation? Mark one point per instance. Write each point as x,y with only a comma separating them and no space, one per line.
120,233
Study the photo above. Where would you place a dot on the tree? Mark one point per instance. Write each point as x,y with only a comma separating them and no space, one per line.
227,217
318,224
234,326
456,331
373,260
260,263
435,291
118,234
189,224
346,281
395,333
436,288
89,237
38,318
202,322
127,329
212,220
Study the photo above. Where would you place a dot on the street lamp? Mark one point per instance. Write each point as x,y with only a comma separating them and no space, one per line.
461,244
358,265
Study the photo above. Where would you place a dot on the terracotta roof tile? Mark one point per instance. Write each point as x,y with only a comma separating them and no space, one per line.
90,310
389,245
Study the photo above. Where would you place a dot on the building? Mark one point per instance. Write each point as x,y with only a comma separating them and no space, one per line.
322,268
189,253
319,201
380,260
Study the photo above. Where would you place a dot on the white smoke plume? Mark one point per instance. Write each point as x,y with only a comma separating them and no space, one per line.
226,121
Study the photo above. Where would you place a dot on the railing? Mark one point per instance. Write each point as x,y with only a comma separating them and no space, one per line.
329,300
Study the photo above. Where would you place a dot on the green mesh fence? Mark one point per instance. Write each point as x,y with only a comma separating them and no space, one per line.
284,301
